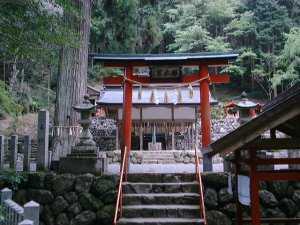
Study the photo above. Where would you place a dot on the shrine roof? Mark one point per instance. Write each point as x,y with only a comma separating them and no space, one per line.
164,58
282,114
114,96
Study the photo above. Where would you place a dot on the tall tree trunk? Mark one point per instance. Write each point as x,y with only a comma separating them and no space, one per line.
72,84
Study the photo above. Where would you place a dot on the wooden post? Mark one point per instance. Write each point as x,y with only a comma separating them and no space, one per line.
254,191
43,139
127,107
239,212
27,152
13,151
32,212
205,115
2,151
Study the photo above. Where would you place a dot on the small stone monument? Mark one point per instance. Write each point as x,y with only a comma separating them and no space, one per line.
84,157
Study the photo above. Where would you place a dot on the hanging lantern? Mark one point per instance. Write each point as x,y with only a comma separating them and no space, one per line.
191,91
179,95
140,93
166,97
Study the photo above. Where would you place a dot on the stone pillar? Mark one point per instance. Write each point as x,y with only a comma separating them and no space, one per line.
26,222
2,151
6,193
173,138
13,148
32,212
43,139
27,152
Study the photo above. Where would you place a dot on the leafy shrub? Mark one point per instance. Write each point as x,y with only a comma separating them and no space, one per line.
12,179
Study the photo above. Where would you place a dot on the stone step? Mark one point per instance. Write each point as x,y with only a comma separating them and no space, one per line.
161,211
161,178
158,157
159,161
141,188
161,198
160,221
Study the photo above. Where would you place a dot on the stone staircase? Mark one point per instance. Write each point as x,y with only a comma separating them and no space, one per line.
158,157
161,199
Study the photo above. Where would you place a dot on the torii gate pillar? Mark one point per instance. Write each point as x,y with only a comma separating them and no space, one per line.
205,114
127,117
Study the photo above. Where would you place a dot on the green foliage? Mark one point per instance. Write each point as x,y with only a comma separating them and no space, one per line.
7,104
12,179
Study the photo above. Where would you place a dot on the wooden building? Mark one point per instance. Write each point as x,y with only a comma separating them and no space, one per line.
247,142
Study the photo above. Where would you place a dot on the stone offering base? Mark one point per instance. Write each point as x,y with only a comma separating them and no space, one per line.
156,157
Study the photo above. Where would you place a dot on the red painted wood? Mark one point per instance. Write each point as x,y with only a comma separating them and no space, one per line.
127,114
205,107
278,175
214,78
254,191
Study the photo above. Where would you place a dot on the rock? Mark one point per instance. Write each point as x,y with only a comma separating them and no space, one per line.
105,215
62,219
229,209
41,196
275,212
296,197
74,210
84,182
224,196
48,182
36,180
89,202
63,183
71,197
101,186
278,188
215,180
59,205
109,197
288,207
215,217
84,218
211,198
47,216
267,198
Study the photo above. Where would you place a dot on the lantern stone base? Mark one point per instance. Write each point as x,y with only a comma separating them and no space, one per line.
83,161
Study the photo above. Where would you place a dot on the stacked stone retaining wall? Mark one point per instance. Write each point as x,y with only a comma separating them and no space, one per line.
89,200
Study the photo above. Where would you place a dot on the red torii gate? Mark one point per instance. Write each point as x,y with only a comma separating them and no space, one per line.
202,60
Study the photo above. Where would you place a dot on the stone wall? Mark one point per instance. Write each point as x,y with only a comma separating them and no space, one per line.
88,200
71,200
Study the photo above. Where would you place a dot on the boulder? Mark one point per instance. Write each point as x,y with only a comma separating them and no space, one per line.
274,212
84,218
102,185
296,197
71,197
215,180
47,216
41,196
48,182
21,197
215,217
105,215
288,207
109,197
224,196
211,198
63,183
279,188
229,209
267,198
62,219
84,182
36,180
74,209
59,205
89,202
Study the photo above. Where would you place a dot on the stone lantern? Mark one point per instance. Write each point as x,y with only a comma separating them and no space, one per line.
84,157
245,108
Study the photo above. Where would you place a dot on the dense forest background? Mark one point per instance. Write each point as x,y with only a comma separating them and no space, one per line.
35,33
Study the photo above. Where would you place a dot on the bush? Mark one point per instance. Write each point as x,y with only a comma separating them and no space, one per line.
12,179
7,103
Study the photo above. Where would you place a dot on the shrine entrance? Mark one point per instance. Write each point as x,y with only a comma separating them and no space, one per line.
154,88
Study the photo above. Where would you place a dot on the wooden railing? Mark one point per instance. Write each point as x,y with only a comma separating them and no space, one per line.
123,174
199,179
